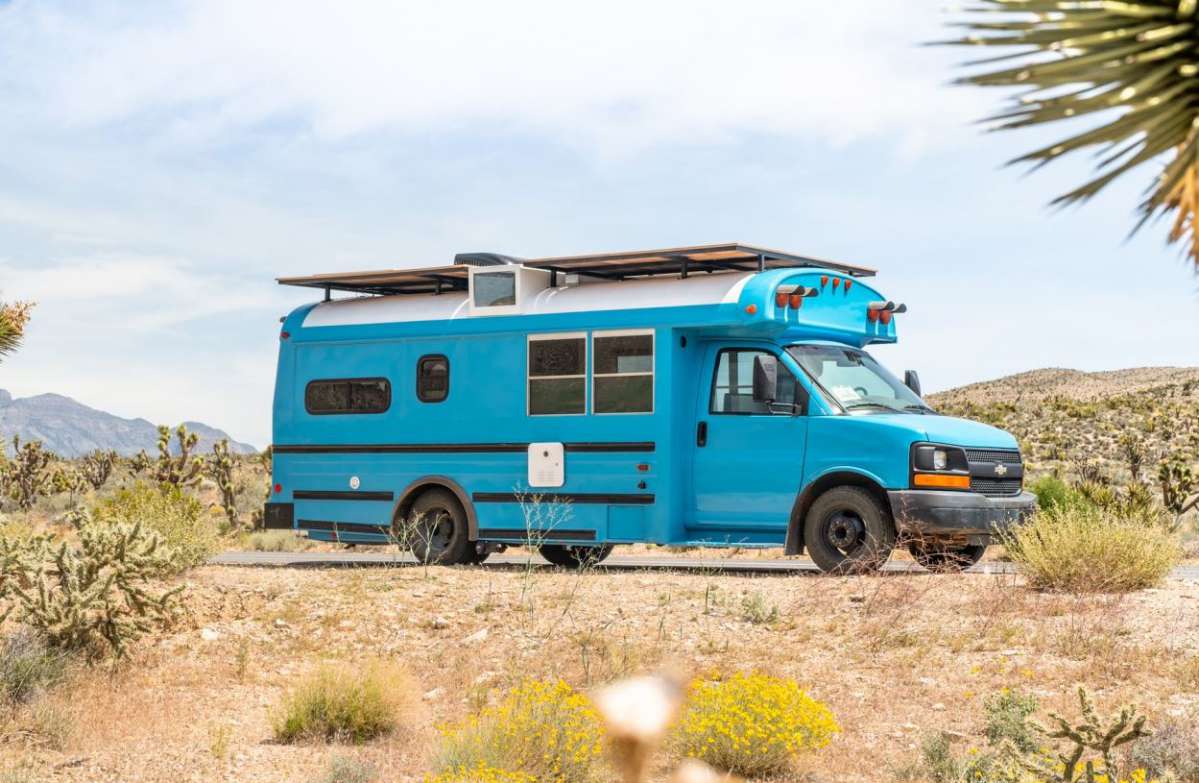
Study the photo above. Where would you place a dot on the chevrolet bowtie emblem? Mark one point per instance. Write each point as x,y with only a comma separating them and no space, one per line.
1000,470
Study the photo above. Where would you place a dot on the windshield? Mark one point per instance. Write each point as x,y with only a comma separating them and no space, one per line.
854,379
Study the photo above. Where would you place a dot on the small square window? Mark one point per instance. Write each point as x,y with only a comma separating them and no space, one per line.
432,378
494,289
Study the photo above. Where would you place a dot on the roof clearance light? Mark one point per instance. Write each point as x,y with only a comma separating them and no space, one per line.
751,308
278,489
823,281
780,299
871,314
848,285
885,316
836,282
284,335
796,301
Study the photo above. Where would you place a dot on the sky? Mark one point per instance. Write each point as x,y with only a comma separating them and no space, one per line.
163,162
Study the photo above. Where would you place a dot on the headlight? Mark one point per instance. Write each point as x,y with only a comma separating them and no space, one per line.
938,458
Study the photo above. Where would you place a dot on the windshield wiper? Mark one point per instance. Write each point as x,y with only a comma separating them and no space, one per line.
919,407
852,405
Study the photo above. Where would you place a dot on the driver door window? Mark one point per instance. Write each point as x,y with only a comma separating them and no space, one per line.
733,384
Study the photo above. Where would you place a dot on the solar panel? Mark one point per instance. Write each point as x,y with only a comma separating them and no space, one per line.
633,264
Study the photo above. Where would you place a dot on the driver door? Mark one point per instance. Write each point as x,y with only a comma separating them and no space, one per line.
749,454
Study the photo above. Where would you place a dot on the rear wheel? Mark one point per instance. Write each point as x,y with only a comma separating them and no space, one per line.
567,556
946,558
848,531
437,531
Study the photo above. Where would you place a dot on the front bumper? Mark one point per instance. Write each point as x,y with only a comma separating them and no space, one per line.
956,515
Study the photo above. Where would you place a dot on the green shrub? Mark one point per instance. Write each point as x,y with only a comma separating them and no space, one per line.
542,729
345,704
1008,714
1086,549
28,666
167,510
753,725
1052,493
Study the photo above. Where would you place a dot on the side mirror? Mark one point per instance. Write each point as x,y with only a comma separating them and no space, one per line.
911,379
766,378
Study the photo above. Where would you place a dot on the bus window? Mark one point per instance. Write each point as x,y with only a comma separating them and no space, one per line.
432,378
623,372
557,374
347,395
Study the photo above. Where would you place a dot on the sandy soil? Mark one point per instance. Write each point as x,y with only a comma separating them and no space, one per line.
895,657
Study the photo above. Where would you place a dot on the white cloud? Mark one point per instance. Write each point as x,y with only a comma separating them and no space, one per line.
616,76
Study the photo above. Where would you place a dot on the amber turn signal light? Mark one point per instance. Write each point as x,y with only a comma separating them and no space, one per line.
941,481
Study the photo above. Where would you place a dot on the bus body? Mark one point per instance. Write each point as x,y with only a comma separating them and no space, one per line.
681,402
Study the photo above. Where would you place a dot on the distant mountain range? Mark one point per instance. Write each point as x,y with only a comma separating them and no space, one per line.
71,429
1067,418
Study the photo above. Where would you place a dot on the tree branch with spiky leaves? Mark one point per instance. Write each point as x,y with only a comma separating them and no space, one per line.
13,317
1132,64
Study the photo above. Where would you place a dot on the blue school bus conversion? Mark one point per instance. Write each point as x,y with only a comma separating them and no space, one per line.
715,395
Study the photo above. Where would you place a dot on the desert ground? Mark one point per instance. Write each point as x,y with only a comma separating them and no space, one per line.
896,657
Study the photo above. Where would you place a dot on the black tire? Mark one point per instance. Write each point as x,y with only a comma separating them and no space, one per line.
848,531
568,556
946,558
439,533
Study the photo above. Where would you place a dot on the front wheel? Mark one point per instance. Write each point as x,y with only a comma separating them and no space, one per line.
848,531
946,558
567,556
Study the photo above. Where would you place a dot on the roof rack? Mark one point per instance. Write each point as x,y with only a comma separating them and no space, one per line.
684,260
681,261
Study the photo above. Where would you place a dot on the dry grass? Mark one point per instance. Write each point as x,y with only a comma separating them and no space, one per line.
894,657
349,702
1081,549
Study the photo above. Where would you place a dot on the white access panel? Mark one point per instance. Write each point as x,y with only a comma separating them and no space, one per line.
547,465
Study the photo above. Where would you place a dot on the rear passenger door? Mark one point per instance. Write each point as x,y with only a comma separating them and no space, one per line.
748,459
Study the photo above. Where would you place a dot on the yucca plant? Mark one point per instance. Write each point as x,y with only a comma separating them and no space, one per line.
13,317
1134,64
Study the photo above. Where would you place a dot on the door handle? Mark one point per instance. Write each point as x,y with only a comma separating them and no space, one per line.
701,434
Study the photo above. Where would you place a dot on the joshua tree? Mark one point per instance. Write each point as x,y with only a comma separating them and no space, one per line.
13,317
1130,61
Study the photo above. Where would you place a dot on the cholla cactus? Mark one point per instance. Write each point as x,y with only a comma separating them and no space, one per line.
97,466
1093,735
28,476
1132,448
140,463
96,597
1178,483
220,470
180,471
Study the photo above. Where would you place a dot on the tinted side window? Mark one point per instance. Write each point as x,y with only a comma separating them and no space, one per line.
623,372
557,374
733,384
348,395
432,378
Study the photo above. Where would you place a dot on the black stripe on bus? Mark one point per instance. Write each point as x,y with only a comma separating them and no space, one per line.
454,448
630,498
342,527
321,494
521,534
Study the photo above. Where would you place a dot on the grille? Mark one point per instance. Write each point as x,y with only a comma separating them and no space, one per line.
995,487
993,455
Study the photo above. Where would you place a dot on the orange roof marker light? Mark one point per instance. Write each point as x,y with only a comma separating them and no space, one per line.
883,311
793,295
